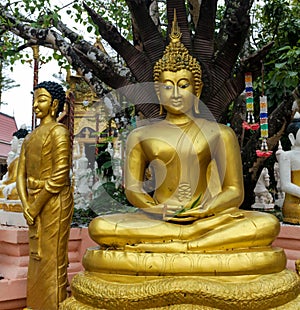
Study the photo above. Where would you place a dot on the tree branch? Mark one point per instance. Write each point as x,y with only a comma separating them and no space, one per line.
46,37
152,39
204,35
137,61
237,23
95,59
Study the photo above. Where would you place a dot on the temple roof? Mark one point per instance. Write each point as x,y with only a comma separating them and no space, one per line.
7,127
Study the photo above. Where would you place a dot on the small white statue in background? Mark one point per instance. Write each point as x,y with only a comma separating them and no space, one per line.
10,157
280,193
110,150
12,154
263,198
83,183
117,164
8,185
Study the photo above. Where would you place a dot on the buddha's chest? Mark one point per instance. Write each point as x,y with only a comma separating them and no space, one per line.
176,148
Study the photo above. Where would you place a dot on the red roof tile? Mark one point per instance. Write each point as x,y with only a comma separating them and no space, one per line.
7,127
4,149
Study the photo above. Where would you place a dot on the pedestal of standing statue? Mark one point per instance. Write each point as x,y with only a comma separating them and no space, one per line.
217,280
14,251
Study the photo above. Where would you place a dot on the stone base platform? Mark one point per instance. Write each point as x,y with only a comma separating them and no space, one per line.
12,218
278,291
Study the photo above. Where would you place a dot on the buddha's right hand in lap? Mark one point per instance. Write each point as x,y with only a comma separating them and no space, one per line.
167,211
170,213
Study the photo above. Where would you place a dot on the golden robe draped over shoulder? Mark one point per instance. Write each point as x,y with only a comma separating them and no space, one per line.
46,157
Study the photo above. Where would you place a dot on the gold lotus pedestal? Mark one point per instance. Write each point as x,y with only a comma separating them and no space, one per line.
220,280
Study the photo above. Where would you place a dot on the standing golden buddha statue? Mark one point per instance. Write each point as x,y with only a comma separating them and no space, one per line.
43,185
189,246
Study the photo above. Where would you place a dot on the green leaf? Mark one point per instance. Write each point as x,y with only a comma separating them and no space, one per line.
284,48
194,205
280,65
106,165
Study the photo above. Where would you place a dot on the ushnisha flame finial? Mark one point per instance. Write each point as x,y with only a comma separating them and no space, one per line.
175,31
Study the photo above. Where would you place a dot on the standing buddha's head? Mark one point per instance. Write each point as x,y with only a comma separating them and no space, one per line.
56,91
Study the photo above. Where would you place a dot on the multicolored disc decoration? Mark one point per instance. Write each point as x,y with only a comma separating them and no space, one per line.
263,117
264,129
250,120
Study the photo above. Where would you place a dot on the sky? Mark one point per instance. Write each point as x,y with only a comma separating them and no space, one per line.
19,99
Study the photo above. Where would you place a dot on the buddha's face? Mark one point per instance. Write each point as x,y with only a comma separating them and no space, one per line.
177,91
43,104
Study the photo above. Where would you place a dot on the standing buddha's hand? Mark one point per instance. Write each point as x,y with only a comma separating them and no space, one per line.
28,217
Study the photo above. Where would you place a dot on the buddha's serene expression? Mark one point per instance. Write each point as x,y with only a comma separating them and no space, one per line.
42,102
177,91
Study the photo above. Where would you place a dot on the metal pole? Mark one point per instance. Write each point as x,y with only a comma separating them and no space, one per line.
36,58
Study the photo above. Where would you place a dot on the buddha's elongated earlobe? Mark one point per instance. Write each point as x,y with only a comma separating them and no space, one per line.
197,97
161,109
54,107
196,106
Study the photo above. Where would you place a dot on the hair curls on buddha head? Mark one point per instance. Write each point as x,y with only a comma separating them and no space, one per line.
56,91
176,57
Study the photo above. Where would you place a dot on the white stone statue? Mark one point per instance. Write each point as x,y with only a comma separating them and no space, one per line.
117,164
110,150
83,183
289,167
280,194
10,157
263,198
8,183
12,214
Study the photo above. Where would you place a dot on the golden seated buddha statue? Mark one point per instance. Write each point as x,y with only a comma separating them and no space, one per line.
189,245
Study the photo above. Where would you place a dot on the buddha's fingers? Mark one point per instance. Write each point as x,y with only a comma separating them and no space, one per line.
197,212
28,217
